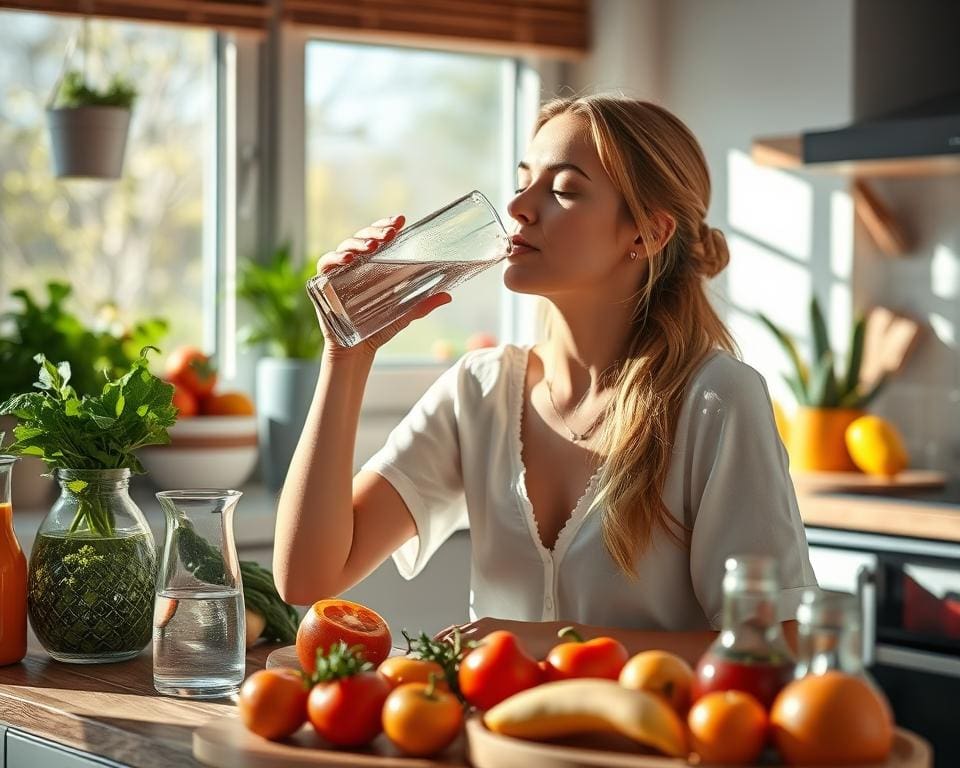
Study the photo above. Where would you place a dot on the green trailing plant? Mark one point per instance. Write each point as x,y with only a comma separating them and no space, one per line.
819,384
50,328
283,316
75,91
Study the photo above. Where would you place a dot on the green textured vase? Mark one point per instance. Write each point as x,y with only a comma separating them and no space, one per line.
93,571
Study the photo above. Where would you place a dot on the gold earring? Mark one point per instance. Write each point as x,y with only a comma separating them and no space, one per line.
633,255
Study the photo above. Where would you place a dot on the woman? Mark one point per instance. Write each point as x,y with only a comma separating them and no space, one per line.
605,473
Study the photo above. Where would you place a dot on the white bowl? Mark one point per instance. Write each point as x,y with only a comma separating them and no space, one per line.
204,452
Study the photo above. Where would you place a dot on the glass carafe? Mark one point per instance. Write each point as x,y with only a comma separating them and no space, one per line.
92,570
751,653
13,576
198,620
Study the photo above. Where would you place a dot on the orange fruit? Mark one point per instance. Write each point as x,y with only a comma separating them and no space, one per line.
662,673
403,669
728,727
831,719
227,404
334,619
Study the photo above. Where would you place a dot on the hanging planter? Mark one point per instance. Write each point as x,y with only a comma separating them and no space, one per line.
88,127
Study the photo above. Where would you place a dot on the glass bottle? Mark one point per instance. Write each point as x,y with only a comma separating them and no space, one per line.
751,653
13,575
829,634
198,621
92,570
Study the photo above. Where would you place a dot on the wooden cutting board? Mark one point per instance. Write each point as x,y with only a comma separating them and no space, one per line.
287,656
858,482
225,743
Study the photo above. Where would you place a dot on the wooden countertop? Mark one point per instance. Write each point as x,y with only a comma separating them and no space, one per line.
108,709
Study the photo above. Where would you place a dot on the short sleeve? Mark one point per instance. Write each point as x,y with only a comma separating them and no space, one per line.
739,492
421,460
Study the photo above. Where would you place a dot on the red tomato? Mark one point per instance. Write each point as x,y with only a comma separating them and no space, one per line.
273,702
184,401
333,619
601,657
346,712
497,668
190,368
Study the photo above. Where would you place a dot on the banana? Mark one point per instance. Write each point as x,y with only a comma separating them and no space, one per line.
569,707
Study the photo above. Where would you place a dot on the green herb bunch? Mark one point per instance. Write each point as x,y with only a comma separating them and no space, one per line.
819,385
76,92
284,317
69,431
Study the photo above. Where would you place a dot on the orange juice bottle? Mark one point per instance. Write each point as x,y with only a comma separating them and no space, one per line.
13,577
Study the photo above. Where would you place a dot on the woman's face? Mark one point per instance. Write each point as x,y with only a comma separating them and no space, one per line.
571,216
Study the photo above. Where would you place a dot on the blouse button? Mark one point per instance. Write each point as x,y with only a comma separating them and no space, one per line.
548,603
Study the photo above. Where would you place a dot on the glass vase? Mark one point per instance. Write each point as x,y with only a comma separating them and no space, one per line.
92,571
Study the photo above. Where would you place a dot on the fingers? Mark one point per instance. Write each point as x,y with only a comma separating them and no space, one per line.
366,241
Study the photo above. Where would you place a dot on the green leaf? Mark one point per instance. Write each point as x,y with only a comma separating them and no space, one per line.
796,386
823,384
821,339
789,347
852,378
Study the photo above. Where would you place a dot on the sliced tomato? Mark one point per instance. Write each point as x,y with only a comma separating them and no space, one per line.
332,620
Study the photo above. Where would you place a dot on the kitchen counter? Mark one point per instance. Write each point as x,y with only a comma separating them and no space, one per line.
109,710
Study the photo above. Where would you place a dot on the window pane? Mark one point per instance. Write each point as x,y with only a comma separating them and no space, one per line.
393,130
136,243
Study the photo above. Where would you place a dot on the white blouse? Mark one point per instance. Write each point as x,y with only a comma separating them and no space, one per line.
456,460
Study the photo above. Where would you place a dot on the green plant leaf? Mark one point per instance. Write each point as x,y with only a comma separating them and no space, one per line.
857,400
796,386
821,339
823,383
851,380
789,347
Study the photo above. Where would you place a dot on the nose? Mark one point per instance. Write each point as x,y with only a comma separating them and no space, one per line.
521,208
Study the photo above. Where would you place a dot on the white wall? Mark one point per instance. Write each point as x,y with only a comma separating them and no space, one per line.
904,54
737,69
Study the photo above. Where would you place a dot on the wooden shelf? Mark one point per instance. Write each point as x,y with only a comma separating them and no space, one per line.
787,152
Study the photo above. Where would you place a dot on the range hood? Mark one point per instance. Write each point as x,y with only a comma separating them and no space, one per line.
922,130
922,138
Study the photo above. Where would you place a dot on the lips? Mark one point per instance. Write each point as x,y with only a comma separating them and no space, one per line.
520,245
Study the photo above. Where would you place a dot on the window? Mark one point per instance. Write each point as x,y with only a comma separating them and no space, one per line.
139,245
395,130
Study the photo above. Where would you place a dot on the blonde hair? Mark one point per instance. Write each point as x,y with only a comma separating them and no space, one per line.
657,165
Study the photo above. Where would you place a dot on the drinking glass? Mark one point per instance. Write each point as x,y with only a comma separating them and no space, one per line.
435,254
198,616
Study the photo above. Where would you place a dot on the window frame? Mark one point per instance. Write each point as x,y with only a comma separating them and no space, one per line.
393,385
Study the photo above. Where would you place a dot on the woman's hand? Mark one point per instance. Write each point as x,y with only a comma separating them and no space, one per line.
536,637
367,241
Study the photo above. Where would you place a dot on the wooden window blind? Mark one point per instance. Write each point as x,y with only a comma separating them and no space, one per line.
558,28
251,15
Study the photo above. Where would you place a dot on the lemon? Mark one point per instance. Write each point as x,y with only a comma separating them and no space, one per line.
876,446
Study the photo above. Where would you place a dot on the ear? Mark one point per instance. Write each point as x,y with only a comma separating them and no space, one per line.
663,226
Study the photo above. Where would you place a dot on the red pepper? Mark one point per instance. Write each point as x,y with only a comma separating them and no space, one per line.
602,657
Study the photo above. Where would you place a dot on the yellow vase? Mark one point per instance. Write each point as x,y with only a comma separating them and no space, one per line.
816,441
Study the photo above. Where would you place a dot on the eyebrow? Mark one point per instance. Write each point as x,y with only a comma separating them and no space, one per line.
557,167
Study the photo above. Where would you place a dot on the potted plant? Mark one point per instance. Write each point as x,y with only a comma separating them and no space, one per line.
285,321
35,326
92,567
827,401
88,127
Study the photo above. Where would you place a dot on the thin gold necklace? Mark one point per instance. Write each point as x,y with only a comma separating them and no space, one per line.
577,437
